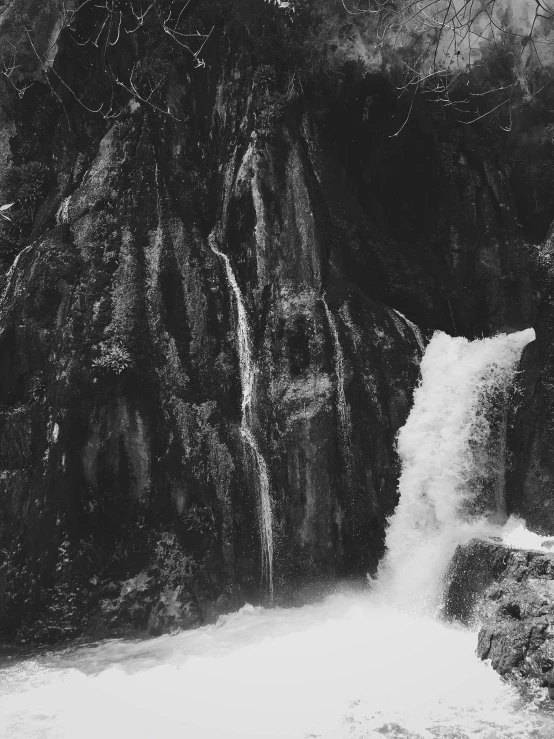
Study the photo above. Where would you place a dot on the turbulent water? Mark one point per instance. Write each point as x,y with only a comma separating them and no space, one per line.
350,667
358,665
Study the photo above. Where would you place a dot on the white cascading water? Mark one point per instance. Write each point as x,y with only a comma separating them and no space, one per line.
500,482
444,434
247,379
354,666
343,409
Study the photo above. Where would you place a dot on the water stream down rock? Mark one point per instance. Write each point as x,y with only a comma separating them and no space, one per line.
248,382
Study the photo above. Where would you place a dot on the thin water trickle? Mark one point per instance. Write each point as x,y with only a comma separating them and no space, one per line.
415,330
247,379
343,409
354,666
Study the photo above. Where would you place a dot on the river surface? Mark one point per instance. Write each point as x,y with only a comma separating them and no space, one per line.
369,665
348,667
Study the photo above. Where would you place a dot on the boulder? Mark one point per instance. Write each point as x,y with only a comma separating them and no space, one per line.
509,594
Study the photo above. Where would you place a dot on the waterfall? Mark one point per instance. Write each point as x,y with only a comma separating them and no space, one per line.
345,423
461,383
247,380
415,330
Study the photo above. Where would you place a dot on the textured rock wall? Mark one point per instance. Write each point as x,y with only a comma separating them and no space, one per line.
128,489
128,496
509,594
530,488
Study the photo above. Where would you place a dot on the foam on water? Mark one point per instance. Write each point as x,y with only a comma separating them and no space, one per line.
349,667
353,666
517,535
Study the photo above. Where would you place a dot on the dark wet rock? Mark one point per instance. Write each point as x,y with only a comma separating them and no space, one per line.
516,632
530,437
482,562
120,383
509,593
473,568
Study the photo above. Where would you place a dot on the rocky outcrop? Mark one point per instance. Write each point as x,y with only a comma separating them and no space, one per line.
509,593
482,562
516,635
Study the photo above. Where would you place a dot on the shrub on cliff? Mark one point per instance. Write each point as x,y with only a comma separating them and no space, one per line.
27,184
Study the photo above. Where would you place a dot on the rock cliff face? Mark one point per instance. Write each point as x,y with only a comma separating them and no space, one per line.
147,247
531,434
121,375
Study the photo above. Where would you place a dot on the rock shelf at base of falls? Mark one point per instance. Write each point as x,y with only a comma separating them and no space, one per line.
510,593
